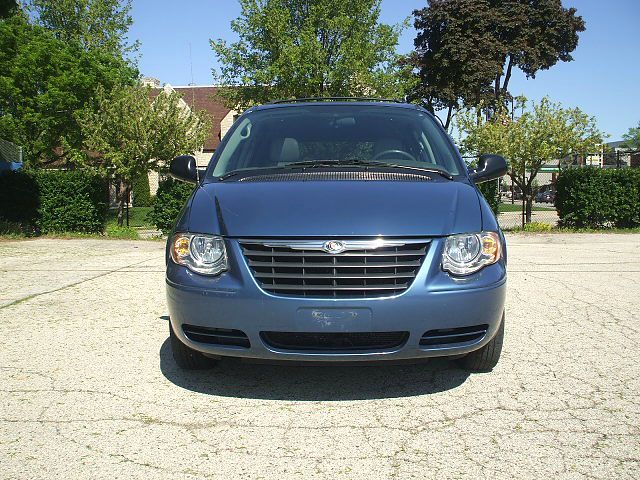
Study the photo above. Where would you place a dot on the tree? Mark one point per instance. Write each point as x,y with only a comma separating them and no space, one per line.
94,24
466,50
43,82
133,133
7,7
307,48
632,138
545,132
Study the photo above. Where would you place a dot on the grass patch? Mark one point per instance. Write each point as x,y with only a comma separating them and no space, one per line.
138,218
517,207
113,231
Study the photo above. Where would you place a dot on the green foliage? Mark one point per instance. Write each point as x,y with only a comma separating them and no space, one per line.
93,24
170,199
537,227
129,233
19,200
544,133
632,138
136,135
43,81
141,192
596,198
50,201
491,193
298,48
466,49
7,7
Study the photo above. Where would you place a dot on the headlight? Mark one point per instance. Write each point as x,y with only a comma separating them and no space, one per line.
203,254
467,253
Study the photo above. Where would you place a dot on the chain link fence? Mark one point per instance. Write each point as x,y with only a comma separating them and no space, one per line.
512,202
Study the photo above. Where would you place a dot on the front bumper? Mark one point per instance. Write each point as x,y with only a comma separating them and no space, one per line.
435,300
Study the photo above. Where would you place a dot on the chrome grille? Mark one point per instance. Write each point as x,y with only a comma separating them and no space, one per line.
366,268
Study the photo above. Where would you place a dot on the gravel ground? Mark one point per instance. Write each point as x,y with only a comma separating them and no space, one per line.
89,389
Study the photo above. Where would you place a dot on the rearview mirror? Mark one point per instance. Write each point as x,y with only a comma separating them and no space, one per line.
490,167
184,168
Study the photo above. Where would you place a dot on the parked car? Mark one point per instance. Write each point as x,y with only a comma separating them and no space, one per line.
336,231
546,196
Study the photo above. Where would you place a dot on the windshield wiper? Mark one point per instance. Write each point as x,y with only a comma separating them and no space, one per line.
340,163
376,163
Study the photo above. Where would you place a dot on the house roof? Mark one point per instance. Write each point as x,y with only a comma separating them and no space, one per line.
203,98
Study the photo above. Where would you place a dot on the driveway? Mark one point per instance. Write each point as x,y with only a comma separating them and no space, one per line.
89,389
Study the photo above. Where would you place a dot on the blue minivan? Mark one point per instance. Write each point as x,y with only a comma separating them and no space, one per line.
336,230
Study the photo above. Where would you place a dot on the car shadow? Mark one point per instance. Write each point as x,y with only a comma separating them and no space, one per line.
235,378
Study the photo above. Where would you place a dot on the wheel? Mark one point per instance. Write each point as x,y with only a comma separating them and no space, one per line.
484,359
185,357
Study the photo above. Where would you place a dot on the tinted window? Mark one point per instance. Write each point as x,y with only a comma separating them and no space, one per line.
281,136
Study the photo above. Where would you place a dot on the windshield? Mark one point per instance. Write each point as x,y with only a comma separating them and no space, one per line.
279,137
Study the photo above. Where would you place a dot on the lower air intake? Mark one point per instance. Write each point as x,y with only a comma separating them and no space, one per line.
335,341
450,336
216,336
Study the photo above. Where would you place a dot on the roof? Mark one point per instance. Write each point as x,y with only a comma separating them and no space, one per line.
203,98
315,102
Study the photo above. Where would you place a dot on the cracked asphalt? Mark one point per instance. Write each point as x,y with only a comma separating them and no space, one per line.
89,389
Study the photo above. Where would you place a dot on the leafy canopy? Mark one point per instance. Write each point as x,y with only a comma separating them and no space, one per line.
632,138
307,48
43,81
466,49
134,133
94,24
544,133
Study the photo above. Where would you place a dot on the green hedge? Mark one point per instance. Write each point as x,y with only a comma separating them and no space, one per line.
491,193
171,197
141,192
51,201
598,198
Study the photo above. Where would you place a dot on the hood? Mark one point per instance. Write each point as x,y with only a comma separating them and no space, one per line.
334,209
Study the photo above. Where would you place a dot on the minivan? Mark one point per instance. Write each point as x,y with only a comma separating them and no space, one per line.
336,230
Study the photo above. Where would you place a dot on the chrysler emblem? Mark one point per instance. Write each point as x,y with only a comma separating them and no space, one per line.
334,246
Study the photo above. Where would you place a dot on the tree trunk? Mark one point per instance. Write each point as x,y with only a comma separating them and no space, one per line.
122,198
529,207
449,116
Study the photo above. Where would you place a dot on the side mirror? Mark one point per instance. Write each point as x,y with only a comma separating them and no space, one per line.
490,167
184,168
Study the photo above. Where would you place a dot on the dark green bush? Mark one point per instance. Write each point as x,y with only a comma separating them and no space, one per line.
54,201
598,198
19,201
491,192
141,193
171,197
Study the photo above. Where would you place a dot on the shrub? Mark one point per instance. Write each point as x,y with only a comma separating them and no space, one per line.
171,197
491,193
52,201
141,192
19,200
114,231
537,227
598,198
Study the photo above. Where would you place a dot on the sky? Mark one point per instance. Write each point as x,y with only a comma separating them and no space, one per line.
603,80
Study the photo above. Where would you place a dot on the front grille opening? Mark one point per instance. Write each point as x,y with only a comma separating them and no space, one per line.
379,272
335,341
449,336
216,336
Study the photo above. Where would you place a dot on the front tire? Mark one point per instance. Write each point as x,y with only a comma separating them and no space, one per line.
185,357
485,358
